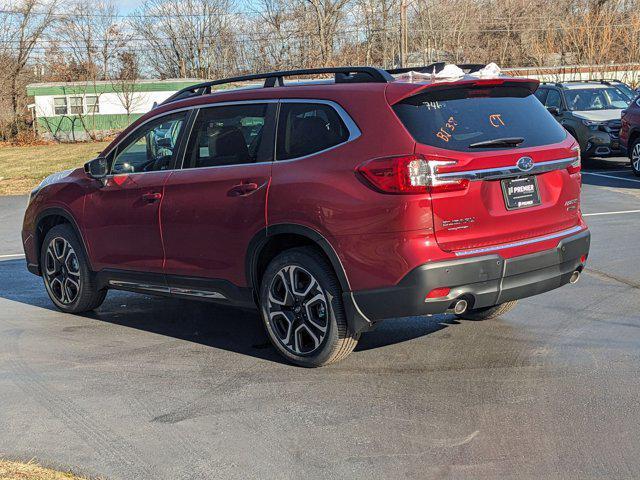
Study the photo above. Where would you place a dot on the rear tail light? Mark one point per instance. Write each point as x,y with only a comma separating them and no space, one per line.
438,293
410,174
575,166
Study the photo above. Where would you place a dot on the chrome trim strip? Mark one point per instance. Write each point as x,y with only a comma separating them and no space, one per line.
171,290
139,286
519,243
196,293
508,172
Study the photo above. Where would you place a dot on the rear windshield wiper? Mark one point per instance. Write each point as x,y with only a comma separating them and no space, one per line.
498,142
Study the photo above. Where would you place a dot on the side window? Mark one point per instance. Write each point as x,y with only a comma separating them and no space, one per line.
553,99
306,128
541,94
226,135
151,147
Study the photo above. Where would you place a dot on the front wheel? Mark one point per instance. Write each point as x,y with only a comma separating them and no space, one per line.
488,313
302,309
634,156
65,270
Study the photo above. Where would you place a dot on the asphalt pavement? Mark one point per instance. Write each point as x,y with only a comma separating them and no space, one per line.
153,388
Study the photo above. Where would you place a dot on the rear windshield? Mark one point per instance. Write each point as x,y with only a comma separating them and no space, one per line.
460,118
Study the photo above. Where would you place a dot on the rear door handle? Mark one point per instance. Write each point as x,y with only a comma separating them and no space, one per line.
242,189
152,197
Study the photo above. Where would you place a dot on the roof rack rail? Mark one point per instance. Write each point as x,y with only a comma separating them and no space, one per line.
273,79
437,67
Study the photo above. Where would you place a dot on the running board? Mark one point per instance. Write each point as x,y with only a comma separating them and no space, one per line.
146,287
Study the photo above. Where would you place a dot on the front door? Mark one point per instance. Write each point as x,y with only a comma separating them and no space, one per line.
214,206
122,215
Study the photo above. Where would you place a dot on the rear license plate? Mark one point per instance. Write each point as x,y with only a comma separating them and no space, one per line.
520,192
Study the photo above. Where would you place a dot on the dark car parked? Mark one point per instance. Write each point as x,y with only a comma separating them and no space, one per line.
329,205
630,134
590,111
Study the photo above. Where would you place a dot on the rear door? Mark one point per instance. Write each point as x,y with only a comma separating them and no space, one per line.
512,157
214,206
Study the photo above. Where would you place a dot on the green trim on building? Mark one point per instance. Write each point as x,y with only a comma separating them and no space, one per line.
66,124
97,88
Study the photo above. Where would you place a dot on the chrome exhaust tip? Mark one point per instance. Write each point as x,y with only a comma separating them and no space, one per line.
575,276
460,307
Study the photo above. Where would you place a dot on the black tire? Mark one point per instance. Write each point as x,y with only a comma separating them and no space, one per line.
294,319
634,156
488,313
65,270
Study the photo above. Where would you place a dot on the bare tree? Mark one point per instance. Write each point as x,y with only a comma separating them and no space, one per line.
21,31
92,33
188,38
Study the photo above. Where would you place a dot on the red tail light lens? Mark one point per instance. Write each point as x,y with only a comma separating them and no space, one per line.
575,166
409,174
438,293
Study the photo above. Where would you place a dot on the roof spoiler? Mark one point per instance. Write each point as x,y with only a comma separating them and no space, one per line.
398,91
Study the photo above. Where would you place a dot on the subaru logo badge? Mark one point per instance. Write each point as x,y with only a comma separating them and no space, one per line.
525,164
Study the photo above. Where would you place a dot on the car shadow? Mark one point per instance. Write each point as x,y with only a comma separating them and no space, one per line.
214,325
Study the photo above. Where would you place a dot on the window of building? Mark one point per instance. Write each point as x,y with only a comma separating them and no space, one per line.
75,106
92,104
60,105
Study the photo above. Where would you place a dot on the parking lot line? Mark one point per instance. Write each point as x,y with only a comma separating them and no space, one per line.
607,171
612,176
13,255
609,213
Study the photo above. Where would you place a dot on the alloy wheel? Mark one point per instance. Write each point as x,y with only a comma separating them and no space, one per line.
62,271
635,157
298,310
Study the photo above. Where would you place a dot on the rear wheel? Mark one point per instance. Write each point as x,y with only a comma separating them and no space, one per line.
488,313
634,156
65,270
302,309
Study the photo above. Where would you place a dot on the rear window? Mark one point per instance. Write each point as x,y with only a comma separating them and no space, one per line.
458,118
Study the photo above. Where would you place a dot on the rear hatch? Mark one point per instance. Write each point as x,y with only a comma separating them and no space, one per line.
507,170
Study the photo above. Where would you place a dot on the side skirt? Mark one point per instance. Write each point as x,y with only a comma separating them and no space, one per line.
196,288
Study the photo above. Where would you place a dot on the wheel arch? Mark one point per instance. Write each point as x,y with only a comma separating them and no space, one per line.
49,218
275,239
634,135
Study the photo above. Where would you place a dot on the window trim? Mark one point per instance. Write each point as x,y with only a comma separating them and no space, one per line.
352,127
562,102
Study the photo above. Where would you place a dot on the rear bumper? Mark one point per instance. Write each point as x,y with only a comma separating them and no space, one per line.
483,281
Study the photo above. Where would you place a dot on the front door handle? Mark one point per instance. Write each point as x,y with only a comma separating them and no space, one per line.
242,189
152,197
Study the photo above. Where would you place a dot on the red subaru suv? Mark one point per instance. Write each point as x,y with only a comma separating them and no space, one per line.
331,205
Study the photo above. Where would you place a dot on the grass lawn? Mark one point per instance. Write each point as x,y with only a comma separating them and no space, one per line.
22,168
31,471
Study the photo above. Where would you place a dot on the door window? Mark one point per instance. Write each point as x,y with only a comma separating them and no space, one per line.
541,94
150,148
307,128
226,135
553,99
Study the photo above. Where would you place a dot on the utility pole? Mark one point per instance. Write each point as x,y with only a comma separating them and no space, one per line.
404,36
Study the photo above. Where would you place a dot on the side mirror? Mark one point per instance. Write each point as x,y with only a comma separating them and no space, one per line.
97,168
555,111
